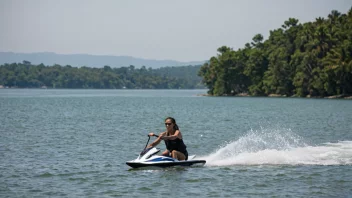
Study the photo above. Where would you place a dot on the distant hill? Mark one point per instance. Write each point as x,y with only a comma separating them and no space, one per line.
78,60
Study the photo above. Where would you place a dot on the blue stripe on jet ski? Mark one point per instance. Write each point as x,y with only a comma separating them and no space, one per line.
161,159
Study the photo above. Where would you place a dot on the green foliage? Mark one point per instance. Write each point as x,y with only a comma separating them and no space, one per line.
313,58
25,75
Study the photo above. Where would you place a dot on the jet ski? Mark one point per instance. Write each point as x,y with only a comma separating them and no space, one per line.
148,158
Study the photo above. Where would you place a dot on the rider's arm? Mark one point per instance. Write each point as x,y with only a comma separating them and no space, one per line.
157,141
174,136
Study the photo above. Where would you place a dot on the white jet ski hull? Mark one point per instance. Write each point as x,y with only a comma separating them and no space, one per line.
147,158
165,164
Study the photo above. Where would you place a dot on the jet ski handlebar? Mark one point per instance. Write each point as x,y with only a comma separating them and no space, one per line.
149,139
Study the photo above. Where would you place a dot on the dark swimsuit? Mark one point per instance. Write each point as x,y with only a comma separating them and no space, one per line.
178,145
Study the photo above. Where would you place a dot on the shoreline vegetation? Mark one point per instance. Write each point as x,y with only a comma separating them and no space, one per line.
349,97
26,75
311,60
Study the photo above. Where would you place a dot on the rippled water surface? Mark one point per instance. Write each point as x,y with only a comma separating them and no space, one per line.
74,143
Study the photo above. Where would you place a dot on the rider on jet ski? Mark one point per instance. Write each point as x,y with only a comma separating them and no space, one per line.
175,147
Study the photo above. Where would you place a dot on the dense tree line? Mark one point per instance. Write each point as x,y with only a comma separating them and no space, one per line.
310,59
26,75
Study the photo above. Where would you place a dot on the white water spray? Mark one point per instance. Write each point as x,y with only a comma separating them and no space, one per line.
281,147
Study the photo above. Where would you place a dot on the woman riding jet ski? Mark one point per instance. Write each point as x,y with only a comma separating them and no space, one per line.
174,155
175,147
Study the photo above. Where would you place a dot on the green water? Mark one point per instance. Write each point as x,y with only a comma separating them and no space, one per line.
74,143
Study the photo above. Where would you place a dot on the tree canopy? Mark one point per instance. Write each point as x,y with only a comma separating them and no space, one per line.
310,59
26,75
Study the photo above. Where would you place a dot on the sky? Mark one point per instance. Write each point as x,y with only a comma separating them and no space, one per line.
182,30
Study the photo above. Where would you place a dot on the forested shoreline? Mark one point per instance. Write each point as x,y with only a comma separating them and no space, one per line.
313,59
26,75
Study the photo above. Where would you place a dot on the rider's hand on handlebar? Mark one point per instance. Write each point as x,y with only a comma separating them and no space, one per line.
151,134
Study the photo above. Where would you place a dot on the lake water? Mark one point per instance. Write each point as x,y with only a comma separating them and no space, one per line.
74,143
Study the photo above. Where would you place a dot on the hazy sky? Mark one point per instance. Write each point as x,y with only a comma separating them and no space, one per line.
183,30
